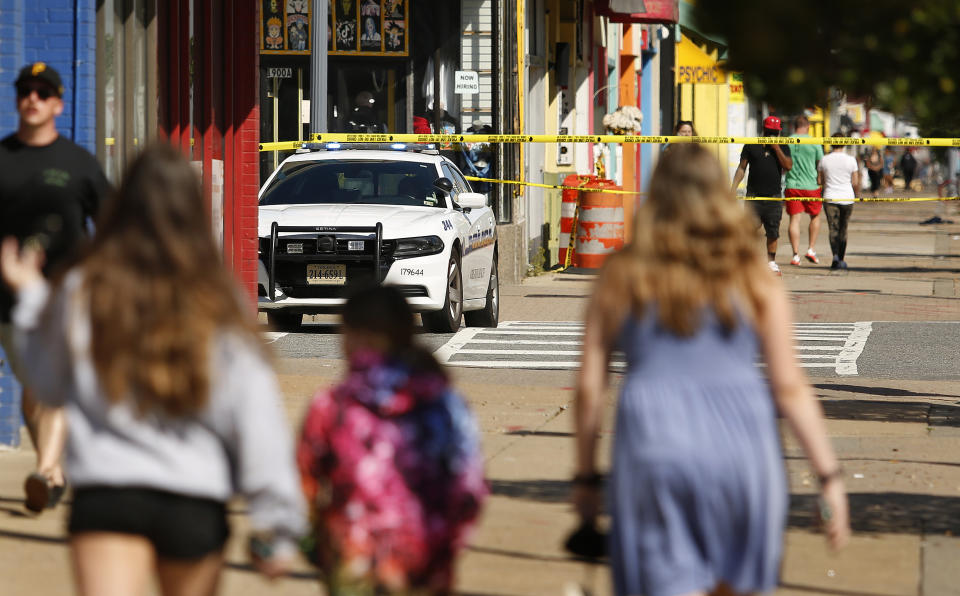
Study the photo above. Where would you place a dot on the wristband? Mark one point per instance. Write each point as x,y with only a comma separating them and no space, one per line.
826,478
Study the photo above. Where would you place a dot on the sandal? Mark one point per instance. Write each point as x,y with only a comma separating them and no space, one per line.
41,493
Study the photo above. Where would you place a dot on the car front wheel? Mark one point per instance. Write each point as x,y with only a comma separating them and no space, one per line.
447,319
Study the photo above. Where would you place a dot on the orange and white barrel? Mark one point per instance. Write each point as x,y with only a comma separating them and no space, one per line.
568,210
600,225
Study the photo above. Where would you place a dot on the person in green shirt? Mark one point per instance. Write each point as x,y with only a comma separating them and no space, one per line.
801,181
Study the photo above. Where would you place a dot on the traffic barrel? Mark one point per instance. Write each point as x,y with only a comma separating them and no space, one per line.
599,226
568,210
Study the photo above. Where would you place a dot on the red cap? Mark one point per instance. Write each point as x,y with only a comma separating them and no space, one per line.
772,123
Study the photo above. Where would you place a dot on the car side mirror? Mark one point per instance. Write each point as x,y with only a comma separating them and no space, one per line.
472,200
443,184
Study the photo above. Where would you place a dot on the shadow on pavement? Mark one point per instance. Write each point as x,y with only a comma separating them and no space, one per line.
545,491
538,433
858,267
33,537
888,513
533,556
885,391
819,590
297,575
892,411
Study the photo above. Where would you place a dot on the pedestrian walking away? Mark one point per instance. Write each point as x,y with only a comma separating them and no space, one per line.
889,167
875,171
170,399
840,176
50,192
390,460
697,492
801,181
908,165
767,163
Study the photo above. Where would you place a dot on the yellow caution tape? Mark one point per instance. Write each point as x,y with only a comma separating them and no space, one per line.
628,139
556,186
856,200
282,146
477,138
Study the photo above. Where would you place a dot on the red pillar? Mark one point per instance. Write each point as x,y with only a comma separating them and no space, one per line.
226,111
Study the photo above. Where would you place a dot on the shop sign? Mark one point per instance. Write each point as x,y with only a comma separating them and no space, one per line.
466,82
694,66
736,87
285,27
369,28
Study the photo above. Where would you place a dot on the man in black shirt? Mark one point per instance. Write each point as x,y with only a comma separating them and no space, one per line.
768,163
50,191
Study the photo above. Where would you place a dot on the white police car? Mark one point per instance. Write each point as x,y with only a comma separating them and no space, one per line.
337,214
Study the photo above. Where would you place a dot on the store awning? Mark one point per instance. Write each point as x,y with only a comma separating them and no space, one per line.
639,11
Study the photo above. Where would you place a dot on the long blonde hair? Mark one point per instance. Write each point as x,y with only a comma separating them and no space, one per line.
158,289
694,247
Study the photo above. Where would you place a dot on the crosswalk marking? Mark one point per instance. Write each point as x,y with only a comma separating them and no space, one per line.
556,349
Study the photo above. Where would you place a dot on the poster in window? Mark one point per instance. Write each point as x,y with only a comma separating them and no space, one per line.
298,25
370,8
271,26
370,39
346,26
285,27
370,27
394,9
395,31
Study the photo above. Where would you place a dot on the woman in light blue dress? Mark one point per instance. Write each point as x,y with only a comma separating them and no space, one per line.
697,493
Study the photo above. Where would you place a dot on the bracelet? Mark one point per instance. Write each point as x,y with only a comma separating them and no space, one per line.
826,478
592,480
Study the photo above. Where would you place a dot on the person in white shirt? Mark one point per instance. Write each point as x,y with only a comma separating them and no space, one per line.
839,174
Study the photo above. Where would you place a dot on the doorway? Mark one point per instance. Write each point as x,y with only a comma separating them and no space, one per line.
367,96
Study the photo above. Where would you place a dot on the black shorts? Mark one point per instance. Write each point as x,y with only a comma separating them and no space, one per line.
179,527
769,213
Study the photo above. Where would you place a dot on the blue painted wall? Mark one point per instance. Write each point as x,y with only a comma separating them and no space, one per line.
61,33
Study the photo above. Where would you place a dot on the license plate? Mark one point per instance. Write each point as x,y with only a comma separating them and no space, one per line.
322,274
354,244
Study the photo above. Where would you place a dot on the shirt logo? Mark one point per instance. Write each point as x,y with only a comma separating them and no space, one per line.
54,177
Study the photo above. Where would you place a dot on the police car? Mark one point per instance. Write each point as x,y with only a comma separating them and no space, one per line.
337,214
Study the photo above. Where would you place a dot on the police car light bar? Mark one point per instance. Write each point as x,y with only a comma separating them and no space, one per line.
335,146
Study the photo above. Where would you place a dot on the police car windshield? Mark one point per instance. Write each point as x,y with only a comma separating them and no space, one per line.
355,182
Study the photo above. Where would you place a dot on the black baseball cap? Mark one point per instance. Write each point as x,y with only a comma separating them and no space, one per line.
43,72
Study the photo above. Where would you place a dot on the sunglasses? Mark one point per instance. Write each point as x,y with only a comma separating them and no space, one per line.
44,92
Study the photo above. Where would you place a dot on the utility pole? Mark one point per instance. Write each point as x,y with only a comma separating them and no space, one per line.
318,66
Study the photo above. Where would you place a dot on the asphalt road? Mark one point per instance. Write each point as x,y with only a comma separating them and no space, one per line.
905,350
912,351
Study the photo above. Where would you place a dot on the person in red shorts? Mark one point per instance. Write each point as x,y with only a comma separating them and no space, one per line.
801,181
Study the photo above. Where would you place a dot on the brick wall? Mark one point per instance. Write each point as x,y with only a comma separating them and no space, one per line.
61,33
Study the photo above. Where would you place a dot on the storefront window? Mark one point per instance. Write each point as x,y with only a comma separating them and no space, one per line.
126,81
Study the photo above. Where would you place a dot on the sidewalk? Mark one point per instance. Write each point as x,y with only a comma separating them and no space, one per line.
899,441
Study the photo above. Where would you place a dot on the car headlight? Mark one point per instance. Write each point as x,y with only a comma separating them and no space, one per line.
417,247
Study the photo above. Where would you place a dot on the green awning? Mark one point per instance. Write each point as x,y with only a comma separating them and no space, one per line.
686,23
